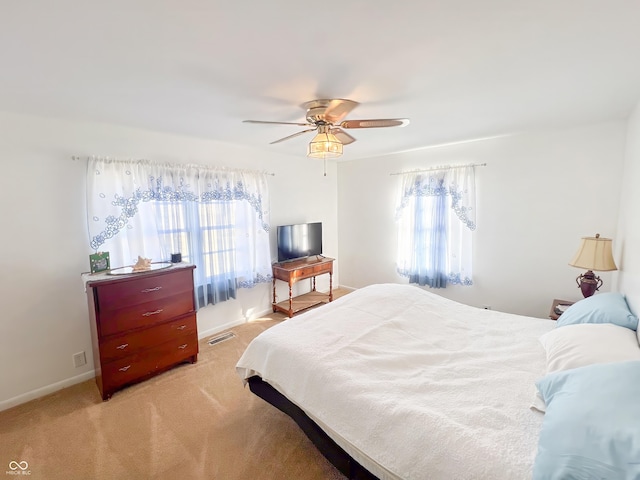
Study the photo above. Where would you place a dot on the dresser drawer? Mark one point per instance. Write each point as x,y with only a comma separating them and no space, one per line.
129,343
134,367
145,314
144,289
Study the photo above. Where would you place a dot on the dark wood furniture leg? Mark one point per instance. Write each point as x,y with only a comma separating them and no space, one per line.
274,295
290,300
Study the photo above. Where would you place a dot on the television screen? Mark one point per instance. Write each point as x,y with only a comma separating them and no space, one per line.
297,241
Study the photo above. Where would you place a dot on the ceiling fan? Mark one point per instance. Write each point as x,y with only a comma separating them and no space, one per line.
327,117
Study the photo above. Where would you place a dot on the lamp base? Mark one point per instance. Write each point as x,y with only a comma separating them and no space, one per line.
588,283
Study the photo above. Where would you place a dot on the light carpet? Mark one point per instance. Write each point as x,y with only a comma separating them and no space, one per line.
193,422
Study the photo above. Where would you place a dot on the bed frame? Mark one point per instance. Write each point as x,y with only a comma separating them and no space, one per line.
330,449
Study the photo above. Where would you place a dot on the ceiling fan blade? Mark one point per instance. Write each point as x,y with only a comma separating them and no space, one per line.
344,137
278,123
375,123
338,109
294,135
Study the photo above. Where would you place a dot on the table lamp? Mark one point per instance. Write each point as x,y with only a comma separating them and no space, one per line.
594,253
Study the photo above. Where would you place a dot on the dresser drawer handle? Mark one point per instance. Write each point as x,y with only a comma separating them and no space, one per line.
147,290
123,346
181,327
182,347
148,314
124,369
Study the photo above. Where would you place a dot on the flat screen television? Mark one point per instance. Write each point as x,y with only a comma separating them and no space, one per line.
298,241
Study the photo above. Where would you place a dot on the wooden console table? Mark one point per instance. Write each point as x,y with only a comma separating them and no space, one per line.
295,270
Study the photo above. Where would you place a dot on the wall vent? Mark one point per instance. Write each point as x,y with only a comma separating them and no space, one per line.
221,338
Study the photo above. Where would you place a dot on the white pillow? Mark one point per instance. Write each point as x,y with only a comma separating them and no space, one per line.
583,344
574,346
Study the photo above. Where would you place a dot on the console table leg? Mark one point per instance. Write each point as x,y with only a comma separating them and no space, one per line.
331,286
290,301
274,295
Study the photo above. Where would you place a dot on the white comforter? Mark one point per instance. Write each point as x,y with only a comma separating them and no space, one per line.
410,384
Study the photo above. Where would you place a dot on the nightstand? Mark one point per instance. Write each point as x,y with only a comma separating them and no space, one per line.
555,313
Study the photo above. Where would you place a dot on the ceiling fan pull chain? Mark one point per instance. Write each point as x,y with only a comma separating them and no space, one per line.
325,166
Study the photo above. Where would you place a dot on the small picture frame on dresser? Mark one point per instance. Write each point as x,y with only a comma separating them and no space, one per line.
99,262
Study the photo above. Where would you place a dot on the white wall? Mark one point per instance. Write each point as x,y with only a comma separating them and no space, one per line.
540,192
628,235
538,195
44,242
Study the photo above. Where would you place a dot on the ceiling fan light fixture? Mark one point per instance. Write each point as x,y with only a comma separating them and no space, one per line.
324,145
327,118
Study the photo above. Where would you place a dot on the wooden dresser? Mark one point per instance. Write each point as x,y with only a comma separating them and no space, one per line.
141,325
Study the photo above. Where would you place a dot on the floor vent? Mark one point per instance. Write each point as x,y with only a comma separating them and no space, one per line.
221,338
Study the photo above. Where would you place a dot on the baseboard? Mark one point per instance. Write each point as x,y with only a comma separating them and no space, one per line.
46,390
265,313
219,328
54,387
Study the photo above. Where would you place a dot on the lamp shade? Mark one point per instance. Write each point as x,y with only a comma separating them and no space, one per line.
594,253
324,145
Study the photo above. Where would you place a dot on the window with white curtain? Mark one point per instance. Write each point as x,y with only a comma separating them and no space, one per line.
436,218
217,219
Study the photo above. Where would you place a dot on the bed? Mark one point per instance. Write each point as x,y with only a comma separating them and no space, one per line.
394,382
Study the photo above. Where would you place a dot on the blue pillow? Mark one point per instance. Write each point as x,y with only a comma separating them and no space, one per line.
602,308
591,429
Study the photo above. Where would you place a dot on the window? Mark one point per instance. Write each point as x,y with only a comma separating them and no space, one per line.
435,216
217,219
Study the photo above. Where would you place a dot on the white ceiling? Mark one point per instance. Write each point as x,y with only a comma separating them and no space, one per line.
459,69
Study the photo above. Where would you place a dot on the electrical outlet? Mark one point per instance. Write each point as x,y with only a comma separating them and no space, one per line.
79,359
487,307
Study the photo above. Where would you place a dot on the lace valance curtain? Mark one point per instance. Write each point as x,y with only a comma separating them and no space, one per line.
436,216
218,219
